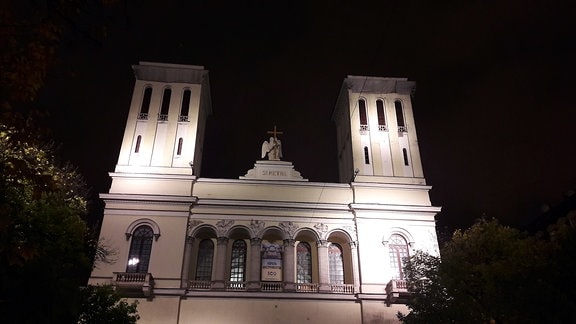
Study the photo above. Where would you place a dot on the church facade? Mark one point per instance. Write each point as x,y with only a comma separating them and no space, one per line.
270,246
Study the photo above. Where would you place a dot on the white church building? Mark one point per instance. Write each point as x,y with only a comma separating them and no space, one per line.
269,246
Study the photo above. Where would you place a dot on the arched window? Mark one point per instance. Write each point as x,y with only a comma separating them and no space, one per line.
398,252
405,155
137,146
165,105
366,155
335,264
180,142
362,113
204,262
238,262
399,116
140,249
381,116
184,109
303,263
145,107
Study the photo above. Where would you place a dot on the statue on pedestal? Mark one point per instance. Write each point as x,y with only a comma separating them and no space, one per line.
272,147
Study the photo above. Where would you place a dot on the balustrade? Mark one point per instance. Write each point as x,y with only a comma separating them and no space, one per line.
271,286
236,285
342,288
307,287
199,284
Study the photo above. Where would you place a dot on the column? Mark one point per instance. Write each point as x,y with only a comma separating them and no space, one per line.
221,245
355,267
186,263
254,270
323,266
288,265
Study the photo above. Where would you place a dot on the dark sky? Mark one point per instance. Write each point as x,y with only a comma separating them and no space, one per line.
494,105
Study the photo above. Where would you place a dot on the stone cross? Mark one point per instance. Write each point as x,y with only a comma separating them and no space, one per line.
274,132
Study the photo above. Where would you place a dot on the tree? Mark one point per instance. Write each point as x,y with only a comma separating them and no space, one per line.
429,299
488,273
101,304
43,236
31,33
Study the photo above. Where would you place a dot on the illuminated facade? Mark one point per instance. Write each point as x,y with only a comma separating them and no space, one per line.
270,246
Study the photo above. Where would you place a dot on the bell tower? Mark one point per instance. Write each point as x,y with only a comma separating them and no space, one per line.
165,127
376,132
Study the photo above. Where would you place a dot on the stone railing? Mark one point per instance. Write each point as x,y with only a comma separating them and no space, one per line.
271,286
307,287
267,286
143,116
396,291
236,285
342,288
402,129
134,282
199,284
382,128
183,118
162,117
364,128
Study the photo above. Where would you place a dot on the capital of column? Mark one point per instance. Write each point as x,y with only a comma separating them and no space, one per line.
255,241
353,244
222,240
289,242
322,243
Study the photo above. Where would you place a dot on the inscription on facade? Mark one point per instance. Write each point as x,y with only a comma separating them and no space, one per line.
273,173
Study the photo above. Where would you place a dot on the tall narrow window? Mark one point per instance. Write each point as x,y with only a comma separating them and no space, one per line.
366,155
140,249
336,264
399,116
185,106
303,263
405,154
204,262
137,146
165,105
398,252
180,142
381,116
363,116
238,262
145,104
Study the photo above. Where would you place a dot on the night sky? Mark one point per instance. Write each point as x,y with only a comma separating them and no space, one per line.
494,104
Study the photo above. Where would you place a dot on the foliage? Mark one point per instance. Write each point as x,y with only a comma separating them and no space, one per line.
101,304
489,273
31,32
42,232
429,298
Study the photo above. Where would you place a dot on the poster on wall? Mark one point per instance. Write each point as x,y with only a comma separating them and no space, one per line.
271,261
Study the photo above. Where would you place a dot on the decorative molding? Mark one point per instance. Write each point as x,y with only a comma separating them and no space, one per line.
222,226
256,227
191,224
143,221
322,229
289,228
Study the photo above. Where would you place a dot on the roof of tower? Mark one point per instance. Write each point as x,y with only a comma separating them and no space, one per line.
379,84
164,72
